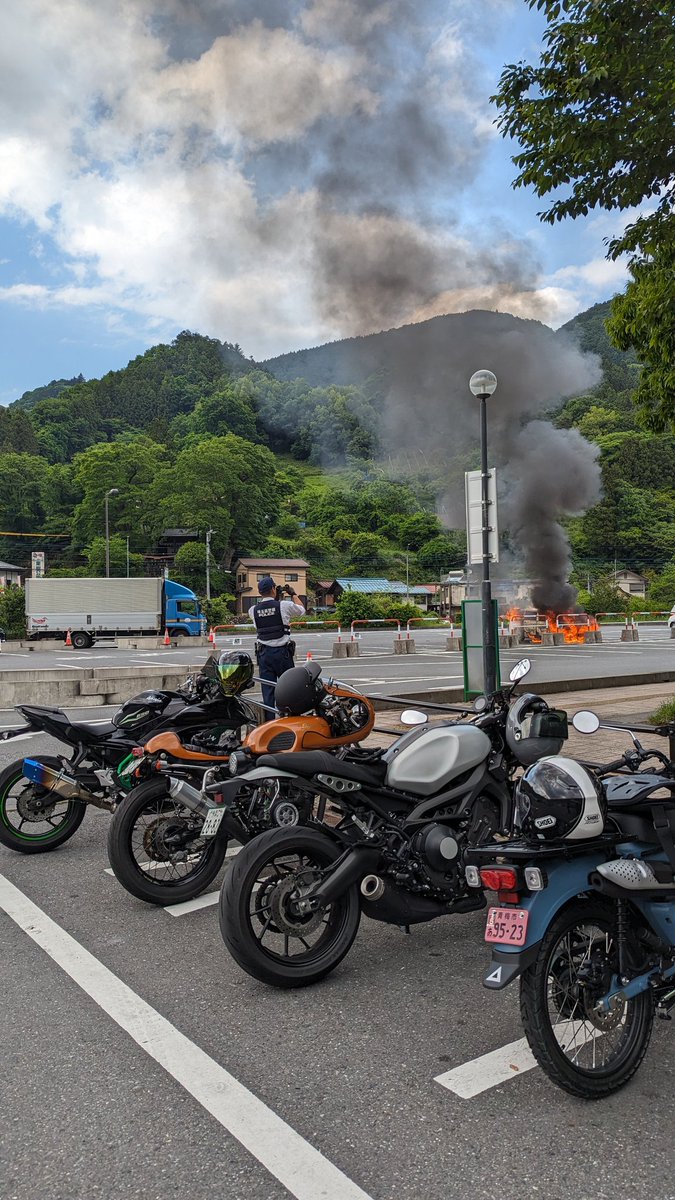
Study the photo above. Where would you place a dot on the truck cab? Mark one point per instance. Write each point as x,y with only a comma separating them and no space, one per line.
182,613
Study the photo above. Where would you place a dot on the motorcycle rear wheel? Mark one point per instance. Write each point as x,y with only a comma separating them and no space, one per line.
135,848
256,923
585,1053
29,831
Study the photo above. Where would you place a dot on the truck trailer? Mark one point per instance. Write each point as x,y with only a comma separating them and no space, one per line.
103,608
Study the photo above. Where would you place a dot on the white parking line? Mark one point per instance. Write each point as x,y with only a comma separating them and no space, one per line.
188,906
298,1166
488,1071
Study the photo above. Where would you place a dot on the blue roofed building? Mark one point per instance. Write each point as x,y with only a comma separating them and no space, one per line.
392,589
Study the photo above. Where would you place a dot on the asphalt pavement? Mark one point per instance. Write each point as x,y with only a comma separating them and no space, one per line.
138,1060
379,671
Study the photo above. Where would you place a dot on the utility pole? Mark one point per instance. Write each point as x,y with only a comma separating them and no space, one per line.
208,562
482,385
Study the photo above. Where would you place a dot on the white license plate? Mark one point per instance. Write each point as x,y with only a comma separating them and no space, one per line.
212,822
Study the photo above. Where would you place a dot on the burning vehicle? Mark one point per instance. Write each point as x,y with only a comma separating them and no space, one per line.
531,627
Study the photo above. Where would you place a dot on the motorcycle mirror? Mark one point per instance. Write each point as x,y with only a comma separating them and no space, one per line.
586,721
411,716
520,670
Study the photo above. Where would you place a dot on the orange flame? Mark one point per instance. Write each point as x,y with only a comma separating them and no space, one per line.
573,626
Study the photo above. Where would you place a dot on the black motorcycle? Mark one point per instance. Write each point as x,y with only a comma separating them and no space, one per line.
43,801
290,906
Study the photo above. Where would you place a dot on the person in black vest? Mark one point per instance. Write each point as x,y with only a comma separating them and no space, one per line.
274,647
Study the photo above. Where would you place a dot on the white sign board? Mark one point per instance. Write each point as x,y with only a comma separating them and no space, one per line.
474,516
38,563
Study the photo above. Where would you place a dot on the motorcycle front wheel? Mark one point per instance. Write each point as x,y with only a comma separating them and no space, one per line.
257,921
587,1053
155,851
34,820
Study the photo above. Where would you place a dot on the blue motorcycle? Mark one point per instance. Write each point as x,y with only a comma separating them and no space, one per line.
585,912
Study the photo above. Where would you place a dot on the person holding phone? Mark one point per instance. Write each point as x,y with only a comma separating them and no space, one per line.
274,646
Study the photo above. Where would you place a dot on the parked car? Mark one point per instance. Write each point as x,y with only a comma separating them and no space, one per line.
671,618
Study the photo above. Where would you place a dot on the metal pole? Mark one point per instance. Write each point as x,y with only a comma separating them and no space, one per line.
407,579
208,563
489,643
127,557
107,540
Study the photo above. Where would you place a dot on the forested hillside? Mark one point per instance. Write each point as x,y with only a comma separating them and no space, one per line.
288,458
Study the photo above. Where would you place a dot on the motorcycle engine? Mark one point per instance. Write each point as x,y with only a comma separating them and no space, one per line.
437,846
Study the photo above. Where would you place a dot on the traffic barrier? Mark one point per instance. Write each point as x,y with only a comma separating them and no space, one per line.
382,621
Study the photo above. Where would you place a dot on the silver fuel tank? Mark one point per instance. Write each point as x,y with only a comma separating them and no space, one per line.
426,760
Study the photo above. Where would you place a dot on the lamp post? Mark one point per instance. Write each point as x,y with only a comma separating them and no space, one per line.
482,385
110,492
407,575
208,562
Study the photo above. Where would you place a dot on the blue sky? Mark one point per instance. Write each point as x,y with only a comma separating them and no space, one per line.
273,174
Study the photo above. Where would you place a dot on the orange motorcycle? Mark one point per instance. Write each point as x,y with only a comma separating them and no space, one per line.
168,839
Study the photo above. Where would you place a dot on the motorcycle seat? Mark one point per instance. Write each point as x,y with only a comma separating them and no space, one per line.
634,792
95,732
320,762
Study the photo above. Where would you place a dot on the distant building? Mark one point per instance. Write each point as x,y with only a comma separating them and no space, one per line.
249,571
630,582
10,574
391,589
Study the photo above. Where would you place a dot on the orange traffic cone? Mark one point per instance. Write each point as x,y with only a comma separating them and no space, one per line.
212,636
69,640
309,656
167,639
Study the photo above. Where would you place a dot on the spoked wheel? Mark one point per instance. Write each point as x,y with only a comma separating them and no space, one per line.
584,1050
155,848
33,819
259,919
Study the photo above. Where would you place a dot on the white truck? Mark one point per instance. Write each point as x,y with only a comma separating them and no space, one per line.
89,609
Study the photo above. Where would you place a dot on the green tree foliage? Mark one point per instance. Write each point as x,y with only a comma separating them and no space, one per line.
24,493
50,390
367,554
132,466
443,553
95,556
661,592
222,483
13,612
594,120
605,596
355,606
190,569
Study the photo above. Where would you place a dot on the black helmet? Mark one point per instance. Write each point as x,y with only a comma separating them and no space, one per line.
146,706
299,689
559,800
533,730
229,673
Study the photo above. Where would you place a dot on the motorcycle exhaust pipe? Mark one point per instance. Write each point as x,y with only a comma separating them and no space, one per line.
372,887
58,781
349,871
181,790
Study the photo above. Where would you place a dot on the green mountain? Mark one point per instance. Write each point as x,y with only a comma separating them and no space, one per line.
48,392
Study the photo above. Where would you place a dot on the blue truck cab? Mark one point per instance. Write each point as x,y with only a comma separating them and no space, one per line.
182,613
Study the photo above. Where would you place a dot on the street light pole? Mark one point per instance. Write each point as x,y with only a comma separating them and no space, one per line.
483,384
110,492
208,562
407,576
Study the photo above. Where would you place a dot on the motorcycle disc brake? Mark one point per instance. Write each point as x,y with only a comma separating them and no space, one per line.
26,805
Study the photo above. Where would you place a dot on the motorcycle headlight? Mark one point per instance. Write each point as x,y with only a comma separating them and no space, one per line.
238,761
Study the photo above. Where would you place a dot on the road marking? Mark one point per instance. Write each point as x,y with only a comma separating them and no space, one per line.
488,1071
20,737
296,1164
188,906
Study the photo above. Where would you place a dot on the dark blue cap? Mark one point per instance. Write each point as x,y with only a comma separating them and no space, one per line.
266,584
